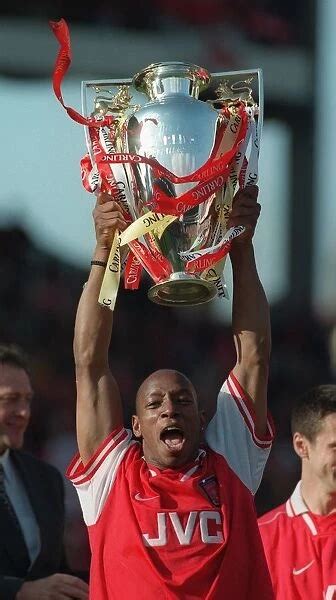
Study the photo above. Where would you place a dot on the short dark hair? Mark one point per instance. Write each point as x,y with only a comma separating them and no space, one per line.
13,355
311,408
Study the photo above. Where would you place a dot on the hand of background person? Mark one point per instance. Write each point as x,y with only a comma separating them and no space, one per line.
108,217
55,587
245,211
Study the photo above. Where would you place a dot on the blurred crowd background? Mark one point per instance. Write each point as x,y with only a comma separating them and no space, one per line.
225,26
278,21
40,284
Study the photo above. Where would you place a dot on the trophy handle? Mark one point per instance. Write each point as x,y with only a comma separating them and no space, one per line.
244,77
88,85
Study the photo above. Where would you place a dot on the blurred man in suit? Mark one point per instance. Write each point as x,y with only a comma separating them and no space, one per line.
32,560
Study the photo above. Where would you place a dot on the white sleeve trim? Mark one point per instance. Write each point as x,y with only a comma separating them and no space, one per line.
247,411
94,480
231,433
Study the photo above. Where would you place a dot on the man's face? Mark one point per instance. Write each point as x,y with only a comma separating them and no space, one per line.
168,419
15,398
322,453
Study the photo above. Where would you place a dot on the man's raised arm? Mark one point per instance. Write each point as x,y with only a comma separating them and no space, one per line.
250,315
99,409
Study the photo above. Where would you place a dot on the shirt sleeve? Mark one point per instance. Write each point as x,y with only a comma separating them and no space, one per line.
9,586
94,481
231,433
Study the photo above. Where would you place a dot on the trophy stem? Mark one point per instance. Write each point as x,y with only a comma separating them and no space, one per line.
182,289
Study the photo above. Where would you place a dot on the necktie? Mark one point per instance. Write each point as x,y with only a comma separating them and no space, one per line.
16,531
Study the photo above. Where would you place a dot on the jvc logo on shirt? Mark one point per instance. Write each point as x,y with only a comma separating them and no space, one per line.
208,519
330,593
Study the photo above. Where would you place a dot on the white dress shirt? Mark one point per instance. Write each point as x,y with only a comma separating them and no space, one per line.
20,501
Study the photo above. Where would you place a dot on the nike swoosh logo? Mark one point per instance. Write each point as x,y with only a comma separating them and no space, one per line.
299,571
139,497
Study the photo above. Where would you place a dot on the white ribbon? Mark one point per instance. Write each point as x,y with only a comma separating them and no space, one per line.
231,233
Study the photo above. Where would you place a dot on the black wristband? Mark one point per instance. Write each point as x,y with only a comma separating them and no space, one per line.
99,263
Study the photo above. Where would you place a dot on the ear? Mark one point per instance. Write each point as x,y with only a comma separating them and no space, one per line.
301,445
136,426
202,419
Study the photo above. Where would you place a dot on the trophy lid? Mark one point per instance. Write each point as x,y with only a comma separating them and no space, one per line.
172,77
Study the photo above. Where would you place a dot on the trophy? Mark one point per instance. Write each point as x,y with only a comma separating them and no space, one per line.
172,145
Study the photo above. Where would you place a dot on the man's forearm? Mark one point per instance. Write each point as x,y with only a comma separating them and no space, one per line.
250,314
93,322
99,409
250,311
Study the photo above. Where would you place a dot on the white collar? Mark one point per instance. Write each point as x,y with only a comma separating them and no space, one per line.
188,473
5,462
4,458
296,506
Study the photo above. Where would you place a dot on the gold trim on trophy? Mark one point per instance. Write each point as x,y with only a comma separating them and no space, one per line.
232,95
106,101
118,105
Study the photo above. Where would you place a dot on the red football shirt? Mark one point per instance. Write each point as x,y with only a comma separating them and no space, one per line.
301,550
178,534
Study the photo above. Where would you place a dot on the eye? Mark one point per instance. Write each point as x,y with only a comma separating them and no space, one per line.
14,399
153,404
184,400
7,398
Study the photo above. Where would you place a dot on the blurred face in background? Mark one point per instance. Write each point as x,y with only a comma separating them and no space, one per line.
320,459
15,399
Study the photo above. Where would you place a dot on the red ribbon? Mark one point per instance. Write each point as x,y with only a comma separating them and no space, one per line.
132,274
164,262
209,169
198,194
153,267
86,168
62,64
204,262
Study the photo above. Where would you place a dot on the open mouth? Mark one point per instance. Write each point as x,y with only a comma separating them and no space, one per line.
173,438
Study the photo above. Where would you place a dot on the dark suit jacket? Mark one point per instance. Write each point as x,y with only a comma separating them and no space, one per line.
45,490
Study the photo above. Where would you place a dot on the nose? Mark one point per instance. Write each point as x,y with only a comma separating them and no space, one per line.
169,409
22,409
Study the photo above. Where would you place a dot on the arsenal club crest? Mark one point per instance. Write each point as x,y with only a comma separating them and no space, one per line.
209,486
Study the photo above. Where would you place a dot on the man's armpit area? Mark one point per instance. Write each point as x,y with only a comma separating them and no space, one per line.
94,480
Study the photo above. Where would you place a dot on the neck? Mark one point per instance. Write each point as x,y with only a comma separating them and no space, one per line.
316,495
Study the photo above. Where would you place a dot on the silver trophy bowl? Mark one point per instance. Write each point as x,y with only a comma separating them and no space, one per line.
179,132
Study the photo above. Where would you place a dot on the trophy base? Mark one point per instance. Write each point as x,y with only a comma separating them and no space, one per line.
182,289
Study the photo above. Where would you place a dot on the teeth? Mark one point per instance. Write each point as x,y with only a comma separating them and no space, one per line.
172,428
